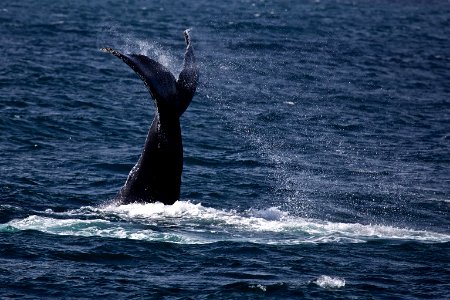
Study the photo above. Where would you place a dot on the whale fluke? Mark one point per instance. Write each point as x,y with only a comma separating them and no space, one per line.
156,177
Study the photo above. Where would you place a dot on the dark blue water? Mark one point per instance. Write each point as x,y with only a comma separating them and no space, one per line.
317,151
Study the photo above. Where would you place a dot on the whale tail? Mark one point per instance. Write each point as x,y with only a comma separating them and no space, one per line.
188,78
168,93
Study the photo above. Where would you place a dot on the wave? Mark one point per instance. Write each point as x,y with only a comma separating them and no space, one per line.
189,223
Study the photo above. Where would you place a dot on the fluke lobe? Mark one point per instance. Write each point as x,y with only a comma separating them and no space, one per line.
156,177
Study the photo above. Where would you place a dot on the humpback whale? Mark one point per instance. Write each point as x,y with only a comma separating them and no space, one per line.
156,177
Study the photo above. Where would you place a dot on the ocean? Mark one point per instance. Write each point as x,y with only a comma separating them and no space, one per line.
316,151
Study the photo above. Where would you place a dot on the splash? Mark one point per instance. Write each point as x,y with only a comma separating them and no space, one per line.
112,36
189,223
328,282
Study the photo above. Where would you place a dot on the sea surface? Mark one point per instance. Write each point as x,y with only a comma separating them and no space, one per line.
316,151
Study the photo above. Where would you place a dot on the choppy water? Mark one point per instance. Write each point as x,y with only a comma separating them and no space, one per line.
317,151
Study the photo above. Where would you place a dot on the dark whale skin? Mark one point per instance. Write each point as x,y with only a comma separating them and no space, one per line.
156,177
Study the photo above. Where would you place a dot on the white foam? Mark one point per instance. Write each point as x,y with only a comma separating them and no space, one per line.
158,210
97,227
328,282
270,214
186,222
259,286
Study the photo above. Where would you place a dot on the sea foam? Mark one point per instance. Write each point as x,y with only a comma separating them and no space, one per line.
187,222
329,282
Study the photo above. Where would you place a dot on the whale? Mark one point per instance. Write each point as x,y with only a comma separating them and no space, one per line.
156,177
